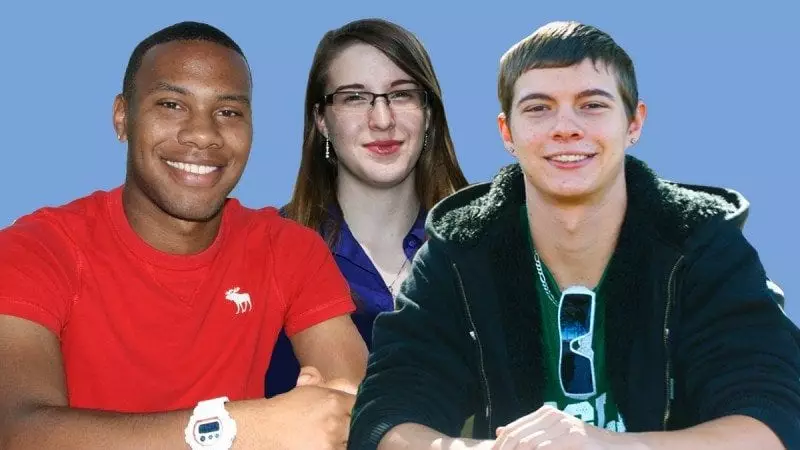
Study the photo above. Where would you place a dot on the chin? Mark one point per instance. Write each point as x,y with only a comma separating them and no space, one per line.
570,194
198,210
386,183
389,178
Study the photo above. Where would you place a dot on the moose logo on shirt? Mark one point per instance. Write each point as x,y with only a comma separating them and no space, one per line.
242,300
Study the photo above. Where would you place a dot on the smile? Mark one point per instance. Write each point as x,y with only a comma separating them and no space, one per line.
569,158
192,168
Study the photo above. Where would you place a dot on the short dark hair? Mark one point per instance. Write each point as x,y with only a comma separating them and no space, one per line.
564,44
183,31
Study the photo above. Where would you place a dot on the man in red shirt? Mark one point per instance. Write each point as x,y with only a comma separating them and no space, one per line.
129,318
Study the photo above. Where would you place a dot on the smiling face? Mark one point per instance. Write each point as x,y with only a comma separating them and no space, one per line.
568,128
188,126
377,146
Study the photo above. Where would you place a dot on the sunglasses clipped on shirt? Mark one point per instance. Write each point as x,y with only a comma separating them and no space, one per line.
576,311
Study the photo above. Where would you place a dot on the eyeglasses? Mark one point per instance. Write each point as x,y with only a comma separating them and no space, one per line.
576,327
362,101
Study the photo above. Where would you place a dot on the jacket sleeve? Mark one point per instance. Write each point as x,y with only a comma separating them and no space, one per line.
738,353
420,368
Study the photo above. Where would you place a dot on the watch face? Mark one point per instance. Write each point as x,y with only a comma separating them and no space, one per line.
207,432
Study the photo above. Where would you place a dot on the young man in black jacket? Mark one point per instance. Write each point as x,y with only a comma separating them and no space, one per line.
578,295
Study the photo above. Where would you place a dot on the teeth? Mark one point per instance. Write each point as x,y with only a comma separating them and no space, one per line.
192,168
569,158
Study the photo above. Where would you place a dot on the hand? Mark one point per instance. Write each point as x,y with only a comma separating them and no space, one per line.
310,376
310,417
549,428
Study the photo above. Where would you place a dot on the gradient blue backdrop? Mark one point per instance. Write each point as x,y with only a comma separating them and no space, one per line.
721,84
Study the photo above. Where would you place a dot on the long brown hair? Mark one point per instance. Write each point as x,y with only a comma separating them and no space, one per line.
438,173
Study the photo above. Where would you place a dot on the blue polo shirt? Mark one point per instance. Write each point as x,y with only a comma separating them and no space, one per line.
369,292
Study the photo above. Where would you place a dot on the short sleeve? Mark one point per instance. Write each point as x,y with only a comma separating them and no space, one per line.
38,272
312,285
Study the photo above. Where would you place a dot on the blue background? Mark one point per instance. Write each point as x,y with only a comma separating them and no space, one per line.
721,84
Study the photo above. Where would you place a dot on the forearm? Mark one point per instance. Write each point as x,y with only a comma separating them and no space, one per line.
335,349
55,427
350,374
63,428
727,433
414,436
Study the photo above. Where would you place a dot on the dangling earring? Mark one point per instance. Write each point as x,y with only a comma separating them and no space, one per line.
425,142
327,149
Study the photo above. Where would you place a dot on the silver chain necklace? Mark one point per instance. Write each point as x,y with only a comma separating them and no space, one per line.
542,278
397,277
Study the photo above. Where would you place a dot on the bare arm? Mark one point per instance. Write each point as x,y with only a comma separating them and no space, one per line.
336,349
727,433
562,430
419,437
34,411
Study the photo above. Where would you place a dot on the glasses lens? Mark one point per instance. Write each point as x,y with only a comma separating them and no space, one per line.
358,102
577,376
407,99
575,314
351,100
577,373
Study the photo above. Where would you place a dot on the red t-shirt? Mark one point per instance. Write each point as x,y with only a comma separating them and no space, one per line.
145,331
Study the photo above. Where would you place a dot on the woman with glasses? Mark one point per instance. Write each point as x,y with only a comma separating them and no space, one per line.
377,155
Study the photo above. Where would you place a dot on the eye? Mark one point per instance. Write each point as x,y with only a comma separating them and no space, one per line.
535,108
594,105
352,97
169,104
230,113
400,95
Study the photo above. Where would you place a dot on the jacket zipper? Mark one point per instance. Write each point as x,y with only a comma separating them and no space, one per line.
474,335
668,383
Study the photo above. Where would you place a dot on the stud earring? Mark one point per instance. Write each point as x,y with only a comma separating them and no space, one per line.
633,141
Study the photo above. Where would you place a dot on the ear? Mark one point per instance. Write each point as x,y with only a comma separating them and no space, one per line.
319,119
504,127
635,127
119,117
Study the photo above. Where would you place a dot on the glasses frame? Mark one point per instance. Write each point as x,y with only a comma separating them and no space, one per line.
327,99
584,341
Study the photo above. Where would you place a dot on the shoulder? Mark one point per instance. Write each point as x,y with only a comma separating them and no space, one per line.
268,225
469,214
679,211
69,224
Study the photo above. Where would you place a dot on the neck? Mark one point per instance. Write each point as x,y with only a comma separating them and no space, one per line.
375,216
576,240
164,232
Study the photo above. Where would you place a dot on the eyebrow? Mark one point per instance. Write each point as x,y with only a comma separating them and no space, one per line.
360,86
235,98
581,94
164,86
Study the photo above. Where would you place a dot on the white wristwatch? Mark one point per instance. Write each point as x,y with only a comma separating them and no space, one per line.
210,427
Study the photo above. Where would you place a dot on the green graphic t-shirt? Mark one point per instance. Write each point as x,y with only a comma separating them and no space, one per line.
600,409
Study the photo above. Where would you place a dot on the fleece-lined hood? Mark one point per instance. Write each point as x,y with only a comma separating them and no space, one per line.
674,208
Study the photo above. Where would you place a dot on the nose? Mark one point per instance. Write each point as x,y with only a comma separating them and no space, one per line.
200,131
566,127
381,116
